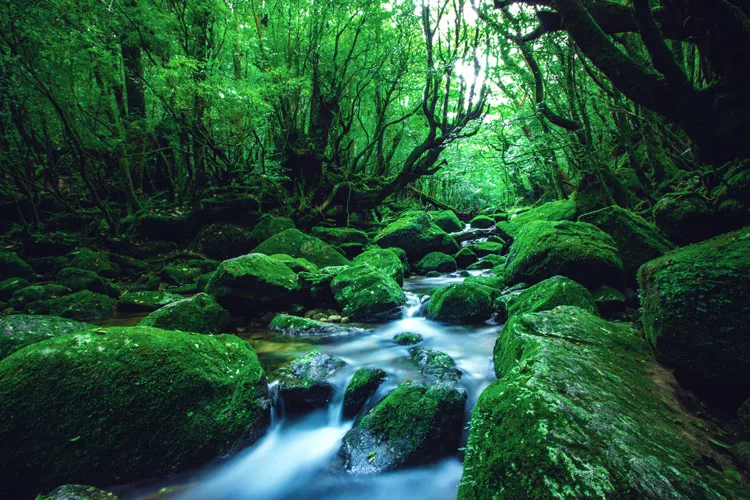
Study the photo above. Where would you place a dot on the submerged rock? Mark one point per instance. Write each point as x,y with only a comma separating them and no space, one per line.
366,294
413,425
580,251
19,330
249,284
200,313
417,235
303,327
363,384
435,261
548,294
435,366
581,409
298,244
696,305
461,303
384,260
407,338
304,383
122,404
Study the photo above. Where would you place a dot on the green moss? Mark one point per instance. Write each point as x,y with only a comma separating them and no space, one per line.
417,235
435,261
340,235
363,384
384,260
223,241
122,404
496,283
685,218
552,211
200,313
297,244
413,425
23,298
81,279
315,288
296,265
546,295
696,302
269,226
609,300
146,301
578,250
90,260
482,222
465,257
407,338
488,262
251,283
483,248
582,410
367,294
13,266
82,306
181,274
11,285
401,254
447,221
304,384
461,303
435,366
636,239
19,330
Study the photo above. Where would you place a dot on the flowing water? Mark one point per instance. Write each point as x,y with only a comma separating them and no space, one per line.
296,458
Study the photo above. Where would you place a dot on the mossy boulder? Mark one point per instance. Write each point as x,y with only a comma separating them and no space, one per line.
435,261
544,296
417,235
123,404
25,297
552,211
494,282
304,384
315,288
413,425
298,244
81,279
200,313
367,294
11,285
447,221
435,366
580,251
270,225
340,235
146,301
304,327
696,305
482,222
78,492
465,257
82,306
181,274
582,410
13,266
407,338
483,248
609,301
461,303
223,241
401,254
637,240
251,283
91,260
384,260
685,218
19,330
297,265
363,384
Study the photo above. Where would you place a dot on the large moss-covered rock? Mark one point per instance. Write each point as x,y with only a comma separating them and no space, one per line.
121,404
484,248
685,218
82,306
582,410
81,279
10,286
465,257
367,294
25,297
298,244
91,260
407,338
461,303
315,288
19,330
435,261
580,251
223,241
417,235
13,266
147,301
297,265
447,221
200,313
482,222
435,366
637,240
304,327
413,425
363,384
384,260
78,492
304,383
340,235
250,283
270,225
546,295
696,305
552,211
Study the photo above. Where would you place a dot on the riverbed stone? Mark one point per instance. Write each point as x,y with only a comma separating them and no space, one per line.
298,244
363,384
407,338
19,330
384,260
251,283
199,313
435,261
297,326
582,410
367,294
297,265
304,383
413,425
417,235
545,295
483,248
696,305
435,366
315,288
121,404
461,303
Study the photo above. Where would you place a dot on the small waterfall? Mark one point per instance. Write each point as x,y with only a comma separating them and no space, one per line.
277,405
414,305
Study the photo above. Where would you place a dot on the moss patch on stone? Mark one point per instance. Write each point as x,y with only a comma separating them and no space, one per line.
200,313
417,235
548,294
363,384
461,303
298,244
435,261
366,294
19,330
384,260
